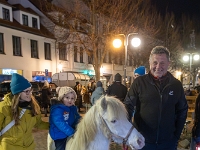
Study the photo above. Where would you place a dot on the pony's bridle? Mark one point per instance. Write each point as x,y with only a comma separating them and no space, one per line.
111,134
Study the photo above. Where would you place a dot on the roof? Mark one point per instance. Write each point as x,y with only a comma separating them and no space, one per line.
5,3
28,10
16,25
45,6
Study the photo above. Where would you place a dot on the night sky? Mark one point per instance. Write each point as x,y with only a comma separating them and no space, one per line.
190,7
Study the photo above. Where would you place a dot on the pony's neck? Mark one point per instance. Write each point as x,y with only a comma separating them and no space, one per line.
100,142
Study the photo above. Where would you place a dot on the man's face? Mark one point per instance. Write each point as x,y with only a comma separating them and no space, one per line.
159,65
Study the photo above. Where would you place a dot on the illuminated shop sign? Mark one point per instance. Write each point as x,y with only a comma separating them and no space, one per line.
8,71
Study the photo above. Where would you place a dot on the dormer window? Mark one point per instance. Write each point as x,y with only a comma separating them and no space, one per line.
25,20
1,44
6,14
34,23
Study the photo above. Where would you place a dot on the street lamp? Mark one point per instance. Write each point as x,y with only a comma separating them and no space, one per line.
190,57
135,43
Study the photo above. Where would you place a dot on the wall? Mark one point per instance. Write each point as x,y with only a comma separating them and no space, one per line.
25,62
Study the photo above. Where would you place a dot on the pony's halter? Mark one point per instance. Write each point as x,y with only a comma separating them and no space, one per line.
115,135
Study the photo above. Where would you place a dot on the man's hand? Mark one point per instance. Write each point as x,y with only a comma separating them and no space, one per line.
198,146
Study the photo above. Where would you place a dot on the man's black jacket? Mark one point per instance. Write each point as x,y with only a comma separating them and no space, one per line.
159,115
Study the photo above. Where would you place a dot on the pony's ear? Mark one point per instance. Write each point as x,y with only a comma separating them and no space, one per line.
104,103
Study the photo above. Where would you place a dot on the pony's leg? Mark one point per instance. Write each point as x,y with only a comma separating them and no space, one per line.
50,143
86,107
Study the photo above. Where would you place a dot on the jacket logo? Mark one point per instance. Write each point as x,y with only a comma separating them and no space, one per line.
66,115
171,93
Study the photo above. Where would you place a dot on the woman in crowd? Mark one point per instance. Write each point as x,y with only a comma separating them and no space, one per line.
21,111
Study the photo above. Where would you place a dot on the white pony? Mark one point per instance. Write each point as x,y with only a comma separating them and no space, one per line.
105,121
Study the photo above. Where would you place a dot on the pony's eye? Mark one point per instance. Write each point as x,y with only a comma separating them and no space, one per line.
113,121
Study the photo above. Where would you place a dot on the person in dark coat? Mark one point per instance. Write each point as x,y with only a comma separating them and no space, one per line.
117,89
99,91
196,128
46,96
91,86
77,89
159,103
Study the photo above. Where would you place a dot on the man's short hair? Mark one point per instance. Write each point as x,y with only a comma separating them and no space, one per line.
160,50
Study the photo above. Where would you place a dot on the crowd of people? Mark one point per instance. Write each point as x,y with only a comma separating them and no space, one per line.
156,98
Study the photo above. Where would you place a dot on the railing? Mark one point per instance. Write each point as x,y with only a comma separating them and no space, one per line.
191,106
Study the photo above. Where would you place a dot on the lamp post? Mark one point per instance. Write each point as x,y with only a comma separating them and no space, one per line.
135,43
190,57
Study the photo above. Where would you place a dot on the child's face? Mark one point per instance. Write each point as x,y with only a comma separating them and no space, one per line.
69,100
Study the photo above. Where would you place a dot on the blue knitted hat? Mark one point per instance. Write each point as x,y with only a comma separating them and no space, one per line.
18,83
140,70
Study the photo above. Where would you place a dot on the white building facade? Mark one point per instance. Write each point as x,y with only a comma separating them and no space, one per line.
24,47
64,55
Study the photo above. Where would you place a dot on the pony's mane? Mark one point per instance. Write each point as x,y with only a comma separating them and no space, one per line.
87,128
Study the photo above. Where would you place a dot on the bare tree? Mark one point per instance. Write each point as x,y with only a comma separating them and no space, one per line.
93,24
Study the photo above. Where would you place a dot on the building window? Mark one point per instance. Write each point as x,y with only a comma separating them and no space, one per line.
34,49
47,51
17,46
6,14
75,53
62,51
81,55
34,23
1,44
90,58
25,20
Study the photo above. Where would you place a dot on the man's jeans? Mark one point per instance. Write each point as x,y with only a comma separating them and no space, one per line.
60,144
193,143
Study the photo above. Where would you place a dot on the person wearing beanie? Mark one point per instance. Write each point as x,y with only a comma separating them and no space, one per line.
139,71
98,92
118,78
46,96
20,101
117,89
64,117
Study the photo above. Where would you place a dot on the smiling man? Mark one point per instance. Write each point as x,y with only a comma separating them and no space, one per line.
159,102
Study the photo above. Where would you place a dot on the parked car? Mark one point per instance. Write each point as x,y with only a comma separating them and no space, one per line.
4,89
36,86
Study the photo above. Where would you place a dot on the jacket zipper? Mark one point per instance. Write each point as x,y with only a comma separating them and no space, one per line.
159,119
